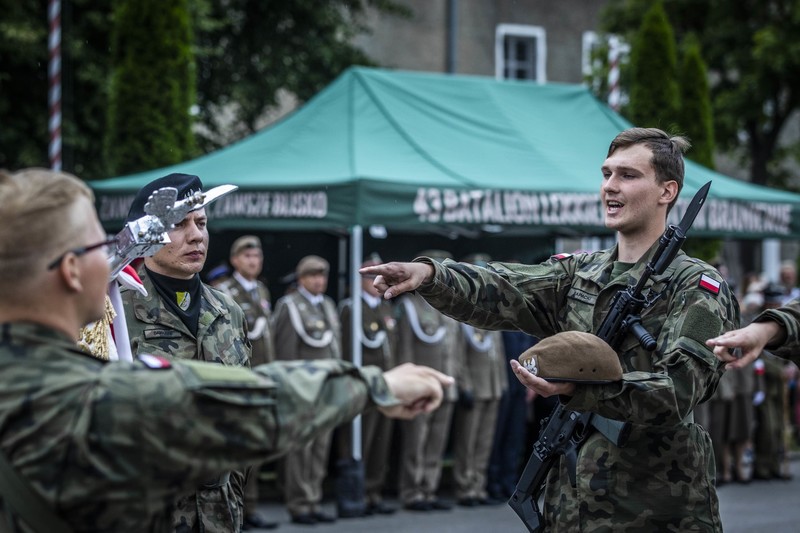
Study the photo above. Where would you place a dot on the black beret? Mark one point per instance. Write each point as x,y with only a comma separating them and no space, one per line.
186,184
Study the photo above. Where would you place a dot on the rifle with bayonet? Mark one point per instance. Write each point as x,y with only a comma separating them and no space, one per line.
565,431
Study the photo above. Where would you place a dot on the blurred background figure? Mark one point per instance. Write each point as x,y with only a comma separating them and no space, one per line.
378,346
306,326
508,448
426,337
252,295
483,381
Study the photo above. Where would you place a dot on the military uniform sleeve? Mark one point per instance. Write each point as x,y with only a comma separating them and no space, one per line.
502,296
285,337
787,316
684,372
191,421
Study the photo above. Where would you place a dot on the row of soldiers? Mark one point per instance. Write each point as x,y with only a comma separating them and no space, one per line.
307,324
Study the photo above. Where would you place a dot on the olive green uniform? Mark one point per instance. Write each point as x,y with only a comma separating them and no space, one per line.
110,446
154,329
425,337
663,479
308,332
378,346
256,306
485,378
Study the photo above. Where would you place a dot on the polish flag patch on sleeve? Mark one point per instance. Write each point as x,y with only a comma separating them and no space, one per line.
155,362
710,284
561,256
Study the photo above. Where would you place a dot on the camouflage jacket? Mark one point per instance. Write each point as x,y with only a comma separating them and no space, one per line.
787,316
221,338
109,446
664,478
257,312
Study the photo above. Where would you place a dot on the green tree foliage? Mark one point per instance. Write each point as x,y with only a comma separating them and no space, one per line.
245,51
753,55
654,87
250,49
694,118
23,77
152,86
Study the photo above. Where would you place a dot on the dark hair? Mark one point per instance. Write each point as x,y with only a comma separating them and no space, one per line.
667,159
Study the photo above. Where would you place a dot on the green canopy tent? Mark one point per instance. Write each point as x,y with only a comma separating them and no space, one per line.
417,151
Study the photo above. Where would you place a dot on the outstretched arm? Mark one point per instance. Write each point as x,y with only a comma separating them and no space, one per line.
396,278
419,389
751,340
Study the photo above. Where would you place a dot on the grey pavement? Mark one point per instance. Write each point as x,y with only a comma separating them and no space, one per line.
758,507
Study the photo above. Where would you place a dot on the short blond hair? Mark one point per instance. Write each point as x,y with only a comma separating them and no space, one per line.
38,220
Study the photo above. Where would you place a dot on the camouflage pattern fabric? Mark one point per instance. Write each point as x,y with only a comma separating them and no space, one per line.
663,480
218,504
109,446
789,317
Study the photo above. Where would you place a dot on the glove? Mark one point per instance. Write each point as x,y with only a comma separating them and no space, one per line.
466,399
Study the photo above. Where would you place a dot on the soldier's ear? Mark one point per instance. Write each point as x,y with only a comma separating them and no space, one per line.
70,272
669,190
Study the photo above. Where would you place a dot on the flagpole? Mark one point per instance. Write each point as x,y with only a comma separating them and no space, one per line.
54,83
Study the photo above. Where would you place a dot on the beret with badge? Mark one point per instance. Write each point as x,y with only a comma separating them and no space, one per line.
573,356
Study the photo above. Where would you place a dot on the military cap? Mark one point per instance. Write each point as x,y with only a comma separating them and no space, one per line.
436,255
311,264
243,243
573,356
773,295
186,184
371,260
477,259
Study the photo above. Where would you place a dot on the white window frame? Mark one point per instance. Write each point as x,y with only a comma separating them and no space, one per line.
537,33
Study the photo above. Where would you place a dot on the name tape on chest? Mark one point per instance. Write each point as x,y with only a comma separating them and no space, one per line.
710,284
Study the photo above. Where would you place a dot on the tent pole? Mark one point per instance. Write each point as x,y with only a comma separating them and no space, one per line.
356,255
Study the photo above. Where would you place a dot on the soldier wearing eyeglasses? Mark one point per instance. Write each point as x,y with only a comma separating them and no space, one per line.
182,317
92,446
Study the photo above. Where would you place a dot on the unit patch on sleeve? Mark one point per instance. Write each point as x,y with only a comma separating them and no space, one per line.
710,284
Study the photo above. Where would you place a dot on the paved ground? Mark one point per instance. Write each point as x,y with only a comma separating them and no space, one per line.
762,506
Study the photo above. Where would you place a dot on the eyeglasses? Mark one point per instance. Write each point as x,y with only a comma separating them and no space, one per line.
85,249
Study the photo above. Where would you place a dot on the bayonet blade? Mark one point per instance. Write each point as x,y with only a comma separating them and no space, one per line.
694,207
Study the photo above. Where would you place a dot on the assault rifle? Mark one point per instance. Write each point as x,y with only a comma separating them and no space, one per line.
565,431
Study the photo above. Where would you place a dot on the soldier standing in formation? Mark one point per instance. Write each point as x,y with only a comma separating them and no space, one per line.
616,488
426,337
90,446
180,316
483,381
306,326
378,346
250,293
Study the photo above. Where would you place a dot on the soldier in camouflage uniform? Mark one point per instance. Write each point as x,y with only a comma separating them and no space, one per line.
184,318
306,326
250,293
776,330
663,479
92,446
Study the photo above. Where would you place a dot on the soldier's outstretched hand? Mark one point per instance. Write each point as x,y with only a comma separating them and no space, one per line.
396,278
751,340
419,389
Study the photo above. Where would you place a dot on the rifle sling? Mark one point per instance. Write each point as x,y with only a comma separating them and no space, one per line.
20,500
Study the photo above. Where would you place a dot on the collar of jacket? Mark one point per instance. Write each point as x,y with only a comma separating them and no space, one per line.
211,307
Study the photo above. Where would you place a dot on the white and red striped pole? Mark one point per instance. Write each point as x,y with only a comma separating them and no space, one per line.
614,95
54,83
